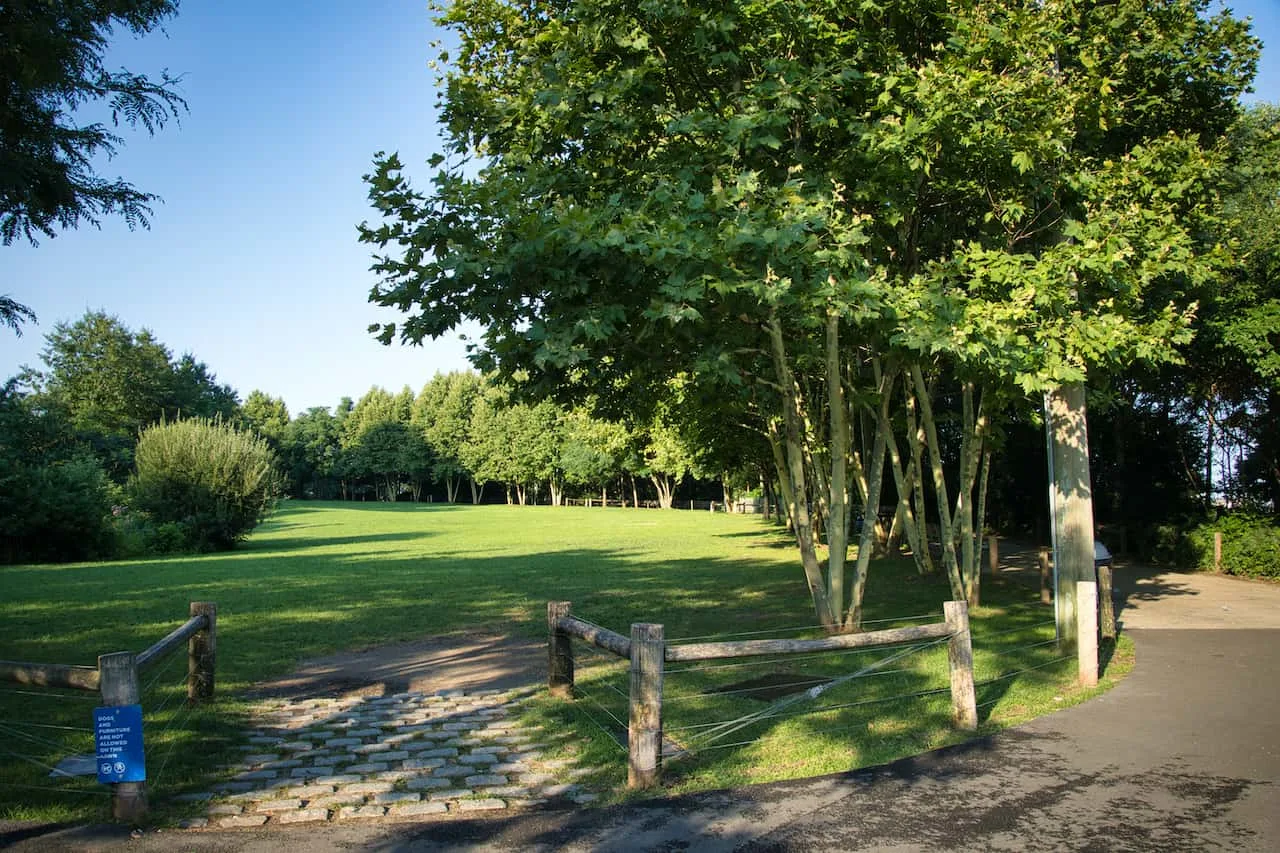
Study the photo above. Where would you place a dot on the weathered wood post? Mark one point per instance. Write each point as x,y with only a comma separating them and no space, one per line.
1046,594
559,652
202,653
1087,631
644,730
993,555
118,673
1106,606
1217,551
964,702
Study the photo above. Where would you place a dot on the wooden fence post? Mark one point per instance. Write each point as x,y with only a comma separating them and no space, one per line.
202,653
1046,594
1106,606
1217,551
993,555
119,686
644,731
964,702
559,652
1087,631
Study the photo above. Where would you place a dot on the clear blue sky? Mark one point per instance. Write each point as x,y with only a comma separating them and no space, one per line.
252,262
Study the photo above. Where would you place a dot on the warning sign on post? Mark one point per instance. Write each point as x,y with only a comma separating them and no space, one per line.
117,733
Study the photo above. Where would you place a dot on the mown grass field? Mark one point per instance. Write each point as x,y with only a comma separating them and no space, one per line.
319,578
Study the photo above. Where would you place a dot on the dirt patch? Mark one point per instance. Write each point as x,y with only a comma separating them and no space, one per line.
453,662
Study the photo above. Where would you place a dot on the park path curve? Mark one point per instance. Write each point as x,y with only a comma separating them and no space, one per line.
1184,754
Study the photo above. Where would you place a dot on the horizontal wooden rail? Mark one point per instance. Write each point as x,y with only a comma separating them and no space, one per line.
747,648
50,674
172,640
610,641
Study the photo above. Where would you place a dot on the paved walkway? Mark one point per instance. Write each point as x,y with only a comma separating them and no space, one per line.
409,755
1182,755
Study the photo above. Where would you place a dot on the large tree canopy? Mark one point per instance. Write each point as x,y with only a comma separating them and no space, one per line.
51,69
816,206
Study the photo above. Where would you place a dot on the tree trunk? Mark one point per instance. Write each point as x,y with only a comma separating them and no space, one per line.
793,452
981,525
837,514
949,563
784,477
901,481
916,441
666,490
1073,500
871,507
477,491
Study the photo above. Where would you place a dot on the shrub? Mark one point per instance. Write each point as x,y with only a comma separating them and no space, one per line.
54,510
1250,545
212,481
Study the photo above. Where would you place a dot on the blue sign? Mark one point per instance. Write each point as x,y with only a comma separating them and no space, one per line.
117,734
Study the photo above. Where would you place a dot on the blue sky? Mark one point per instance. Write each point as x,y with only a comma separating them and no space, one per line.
252,262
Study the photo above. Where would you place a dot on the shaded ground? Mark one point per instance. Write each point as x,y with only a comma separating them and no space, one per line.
468,662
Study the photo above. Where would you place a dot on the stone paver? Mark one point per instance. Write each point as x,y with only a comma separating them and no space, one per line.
411,755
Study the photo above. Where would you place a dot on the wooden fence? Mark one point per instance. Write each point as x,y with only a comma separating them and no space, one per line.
648,652
116,678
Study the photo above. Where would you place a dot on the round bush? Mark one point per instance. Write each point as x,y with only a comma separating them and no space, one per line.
214,482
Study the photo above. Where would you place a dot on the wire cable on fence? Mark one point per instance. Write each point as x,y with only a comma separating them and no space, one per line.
977,637
1024,670
800,628
829,709
177,719
83,695
807,683
716,731
75,791
784,659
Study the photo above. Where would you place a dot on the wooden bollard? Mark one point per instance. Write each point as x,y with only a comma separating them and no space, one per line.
119,685
202,654
644,729
964,702
1087,631
1046,594
1106,606
993,555
1217,551
559,652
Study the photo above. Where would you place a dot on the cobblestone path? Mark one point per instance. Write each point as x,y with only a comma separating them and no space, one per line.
381,758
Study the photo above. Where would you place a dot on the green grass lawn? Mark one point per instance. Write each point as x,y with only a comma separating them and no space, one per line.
319,577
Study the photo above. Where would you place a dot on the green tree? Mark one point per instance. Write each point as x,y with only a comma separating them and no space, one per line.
112,382
51,69
267,416
442,411
55,499
377,406
823,209
310,449
594,451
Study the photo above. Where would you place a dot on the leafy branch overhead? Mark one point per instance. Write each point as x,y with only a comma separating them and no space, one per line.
801,203
52,75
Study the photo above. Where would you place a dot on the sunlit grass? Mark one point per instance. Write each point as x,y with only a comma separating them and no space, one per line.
319,578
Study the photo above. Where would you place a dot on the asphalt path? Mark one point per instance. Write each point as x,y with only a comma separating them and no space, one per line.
1184,754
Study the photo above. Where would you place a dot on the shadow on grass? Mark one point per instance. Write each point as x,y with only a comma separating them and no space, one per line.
298,543
288,599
